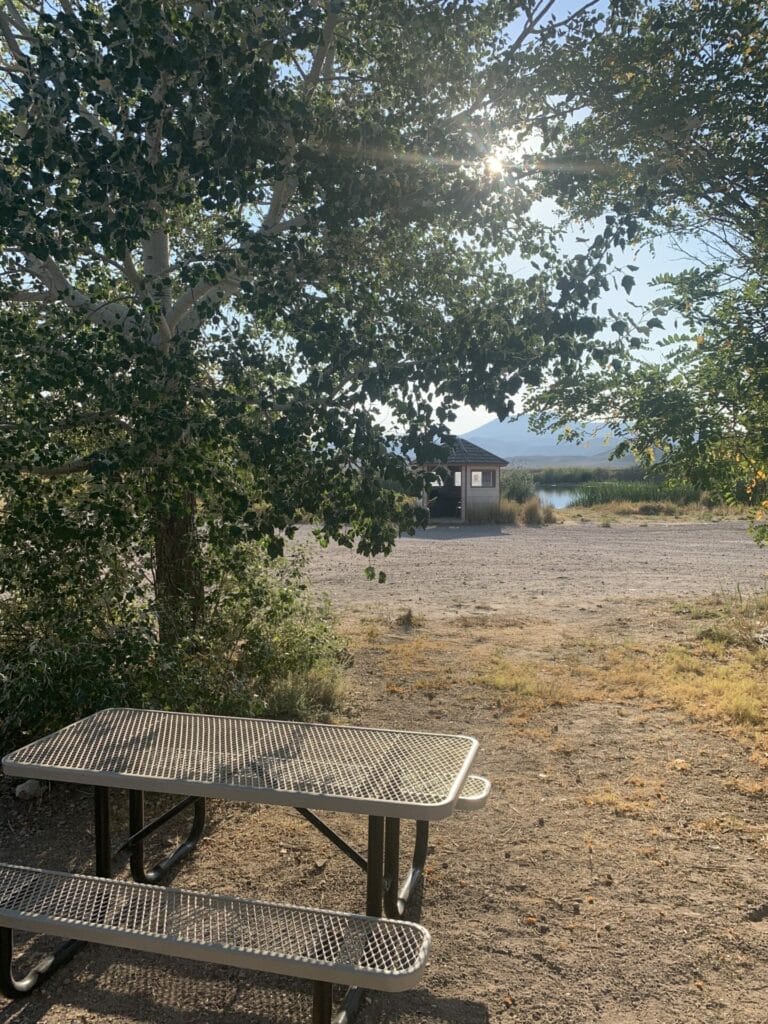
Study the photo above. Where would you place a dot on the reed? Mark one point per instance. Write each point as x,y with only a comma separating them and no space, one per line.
607,491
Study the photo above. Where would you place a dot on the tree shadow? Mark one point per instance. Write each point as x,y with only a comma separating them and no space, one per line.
461,531
142,988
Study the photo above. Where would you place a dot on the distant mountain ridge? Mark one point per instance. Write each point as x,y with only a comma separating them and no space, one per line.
514,441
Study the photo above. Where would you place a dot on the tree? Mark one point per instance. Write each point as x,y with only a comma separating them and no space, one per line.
669,117
672,131
234,234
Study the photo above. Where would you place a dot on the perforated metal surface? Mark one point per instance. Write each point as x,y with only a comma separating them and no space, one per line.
372,771
319,944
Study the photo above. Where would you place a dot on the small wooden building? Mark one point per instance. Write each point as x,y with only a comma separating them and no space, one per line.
472,490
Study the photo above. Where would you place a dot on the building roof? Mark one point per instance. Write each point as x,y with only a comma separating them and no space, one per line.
462,452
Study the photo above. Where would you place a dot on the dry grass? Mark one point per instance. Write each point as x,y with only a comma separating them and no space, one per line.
515,513
634,511
434,659
528,680
611,800
715,668
706,680
407,621
508,513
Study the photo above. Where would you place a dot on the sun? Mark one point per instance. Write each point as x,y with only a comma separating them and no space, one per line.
494,165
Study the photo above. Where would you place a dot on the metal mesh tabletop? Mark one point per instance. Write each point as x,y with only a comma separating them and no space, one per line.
346,768
319,944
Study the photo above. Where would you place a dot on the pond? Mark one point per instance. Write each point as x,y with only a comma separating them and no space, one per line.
558,497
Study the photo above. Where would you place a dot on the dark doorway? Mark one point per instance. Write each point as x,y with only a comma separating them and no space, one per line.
445,502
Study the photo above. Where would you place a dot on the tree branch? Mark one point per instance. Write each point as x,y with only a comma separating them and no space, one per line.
534,17
131,273
104,314
107,314
50,472
97,124
26,296
12,41
285,188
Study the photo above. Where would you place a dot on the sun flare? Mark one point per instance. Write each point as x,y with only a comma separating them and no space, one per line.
494,165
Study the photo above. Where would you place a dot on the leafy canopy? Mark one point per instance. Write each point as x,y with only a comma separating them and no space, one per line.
230,233
671,128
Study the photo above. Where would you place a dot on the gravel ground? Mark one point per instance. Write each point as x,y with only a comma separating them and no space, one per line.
555,568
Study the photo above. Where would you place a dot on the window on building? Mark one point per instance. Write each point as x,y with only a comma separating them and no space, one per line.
483,478
457,478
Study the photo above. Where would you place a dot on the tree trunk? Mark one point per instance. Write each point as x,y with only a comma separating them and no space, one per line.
179,589
179,593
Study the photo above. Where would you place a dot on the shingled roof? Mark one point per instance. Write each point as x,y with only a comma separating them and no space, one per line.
463,452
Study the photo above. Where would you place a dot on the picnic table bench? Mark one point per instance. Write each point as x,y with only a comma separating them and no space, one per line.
388,775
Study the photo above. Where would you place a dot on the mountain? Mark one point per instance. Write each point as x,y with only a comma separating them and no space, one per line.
515,441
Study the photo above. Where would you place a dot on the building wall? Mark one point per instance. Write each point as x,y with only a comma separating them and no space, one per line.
480,500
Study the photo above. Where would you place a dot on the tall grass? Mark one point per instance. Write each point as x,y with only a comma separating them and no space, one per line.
515,513
536,514
555,476
607,491
508,513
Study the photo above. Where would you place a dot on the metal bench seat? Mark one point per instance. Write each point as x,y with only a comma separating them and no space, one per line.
474,793
327,947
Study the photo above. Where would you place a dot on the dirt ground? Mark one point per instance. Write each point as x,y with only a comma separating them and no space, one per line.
618,873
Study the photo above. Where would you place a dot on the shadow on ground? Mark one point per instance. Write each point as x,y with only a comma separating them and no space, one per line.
460,531
139,988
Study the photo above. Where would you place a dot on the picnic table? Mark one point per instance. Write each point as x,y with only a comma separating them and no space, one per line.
385,774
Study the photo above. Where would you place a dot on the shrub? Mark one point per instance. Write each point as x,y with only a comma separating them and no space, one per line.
556,476
517,484
533,513
265,649
549,514
506,513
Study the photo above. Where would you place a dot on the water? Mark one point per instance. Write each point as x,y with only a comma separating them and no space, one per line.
558,497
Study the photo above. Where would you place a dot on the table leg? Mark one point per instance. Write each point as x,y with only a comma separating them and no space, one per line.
322,1002
102,831
138,831
403,902
375,870
15,988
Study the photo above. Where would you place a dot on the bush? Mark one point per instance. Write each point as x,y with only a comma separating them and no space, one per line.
512,513
557,476
549,514
508,512
265,649
517,484
533,513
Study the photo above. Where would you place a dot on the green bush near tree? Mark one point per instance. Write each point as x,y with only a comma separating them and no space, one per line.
263,648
